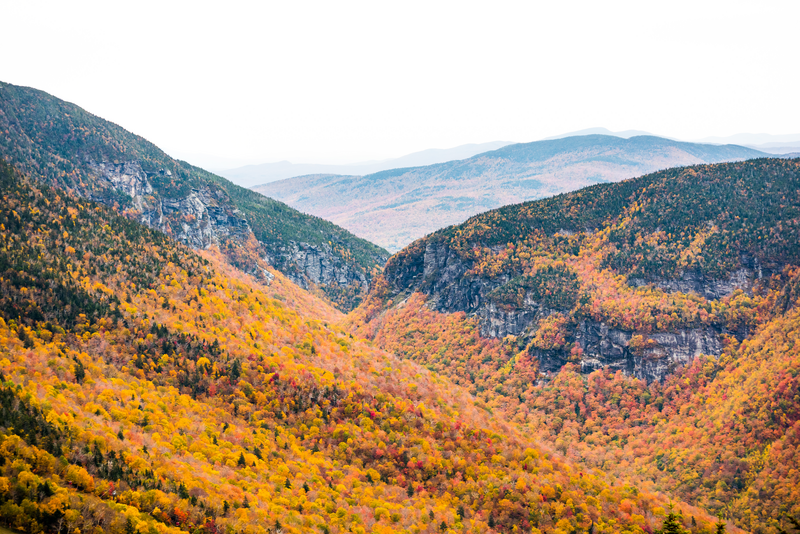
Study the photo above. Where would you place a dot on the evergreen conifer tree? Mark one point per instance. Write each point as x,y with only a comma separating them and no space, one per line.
672,524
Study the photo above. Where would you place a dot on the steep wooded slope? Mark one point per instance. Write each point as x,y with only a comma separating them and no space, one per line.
63,145
644,327
393,208
146,388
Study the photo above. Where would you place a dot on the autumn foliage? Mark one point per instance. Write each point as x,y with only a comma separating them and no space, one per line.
719,433
146,388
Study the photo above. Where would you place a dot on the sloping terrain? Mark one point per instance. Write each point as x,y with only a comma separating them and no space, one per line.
646,327
393,208
251,175
63,145
146,388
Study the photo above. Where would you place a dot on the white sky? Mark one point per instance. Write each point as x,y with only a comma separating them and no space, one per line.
352,81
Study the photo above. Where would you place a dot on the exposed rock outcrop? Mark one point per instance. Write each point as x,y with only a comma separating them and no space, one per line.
203,218
662,351
127,177
304,263
692,282
207,216
443,276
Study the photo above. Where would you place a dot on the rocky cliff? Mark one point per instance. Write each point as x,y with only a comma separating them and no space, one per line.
639,276
444,276
207,216
202,218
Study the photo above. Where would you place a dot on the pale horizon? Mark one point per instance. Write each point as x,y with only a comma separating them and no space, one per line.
356,82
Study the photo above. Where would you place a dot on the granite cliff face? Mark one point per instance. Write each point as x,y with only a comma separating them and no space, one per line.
307,264
200,219
207,217
444,276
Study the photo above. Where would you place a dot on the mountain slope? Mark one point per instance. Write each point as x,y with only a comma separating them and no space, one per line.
65,146
146,388
393,208
252,175
646,327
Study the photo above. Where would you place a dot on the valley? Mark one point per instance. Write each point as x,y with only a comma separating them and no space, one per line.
150,388
643,327
181,354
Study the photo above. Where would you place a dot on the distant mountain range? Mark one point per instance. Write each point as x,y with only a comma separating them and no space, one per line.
772,144
258,174
749,139
625,134
393,208
251,175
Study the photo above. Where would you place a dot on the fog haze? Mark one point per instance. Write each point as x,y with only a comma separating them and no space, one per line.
344,82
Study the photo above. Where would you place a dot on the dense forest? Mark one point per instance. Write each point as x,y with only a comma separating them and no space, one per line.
623,358
149,388
706,252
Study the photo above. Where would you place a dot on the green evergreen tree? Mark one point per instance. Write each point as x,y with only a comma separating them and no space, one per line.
235,371
672,524
80,371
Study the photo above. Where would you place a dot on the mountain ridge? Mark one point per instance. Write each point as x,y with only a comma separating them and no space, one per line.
258,174
628,325
396,206
66,146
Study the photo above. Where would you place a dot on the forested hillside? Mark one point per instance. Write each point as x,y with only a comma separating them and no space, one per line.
146,388
395,207
647,328
63,145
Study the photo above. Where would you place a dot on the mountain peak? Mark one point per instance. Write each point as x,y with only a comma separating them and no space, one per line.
626,134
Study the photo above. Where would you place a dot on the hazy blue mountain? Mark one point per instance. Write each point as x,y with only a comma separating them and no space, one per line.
750,139
778,147
251,175
625,134
395,207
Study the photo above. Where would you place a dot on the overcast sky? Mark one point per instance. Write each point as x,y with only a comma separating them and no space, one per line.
352,81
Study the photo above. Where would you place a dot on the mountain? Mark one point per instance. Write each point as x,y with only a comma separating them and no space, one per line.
626,134
750,139
63,145
647,326
148,387
393,208
778,148
769,143
251,175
